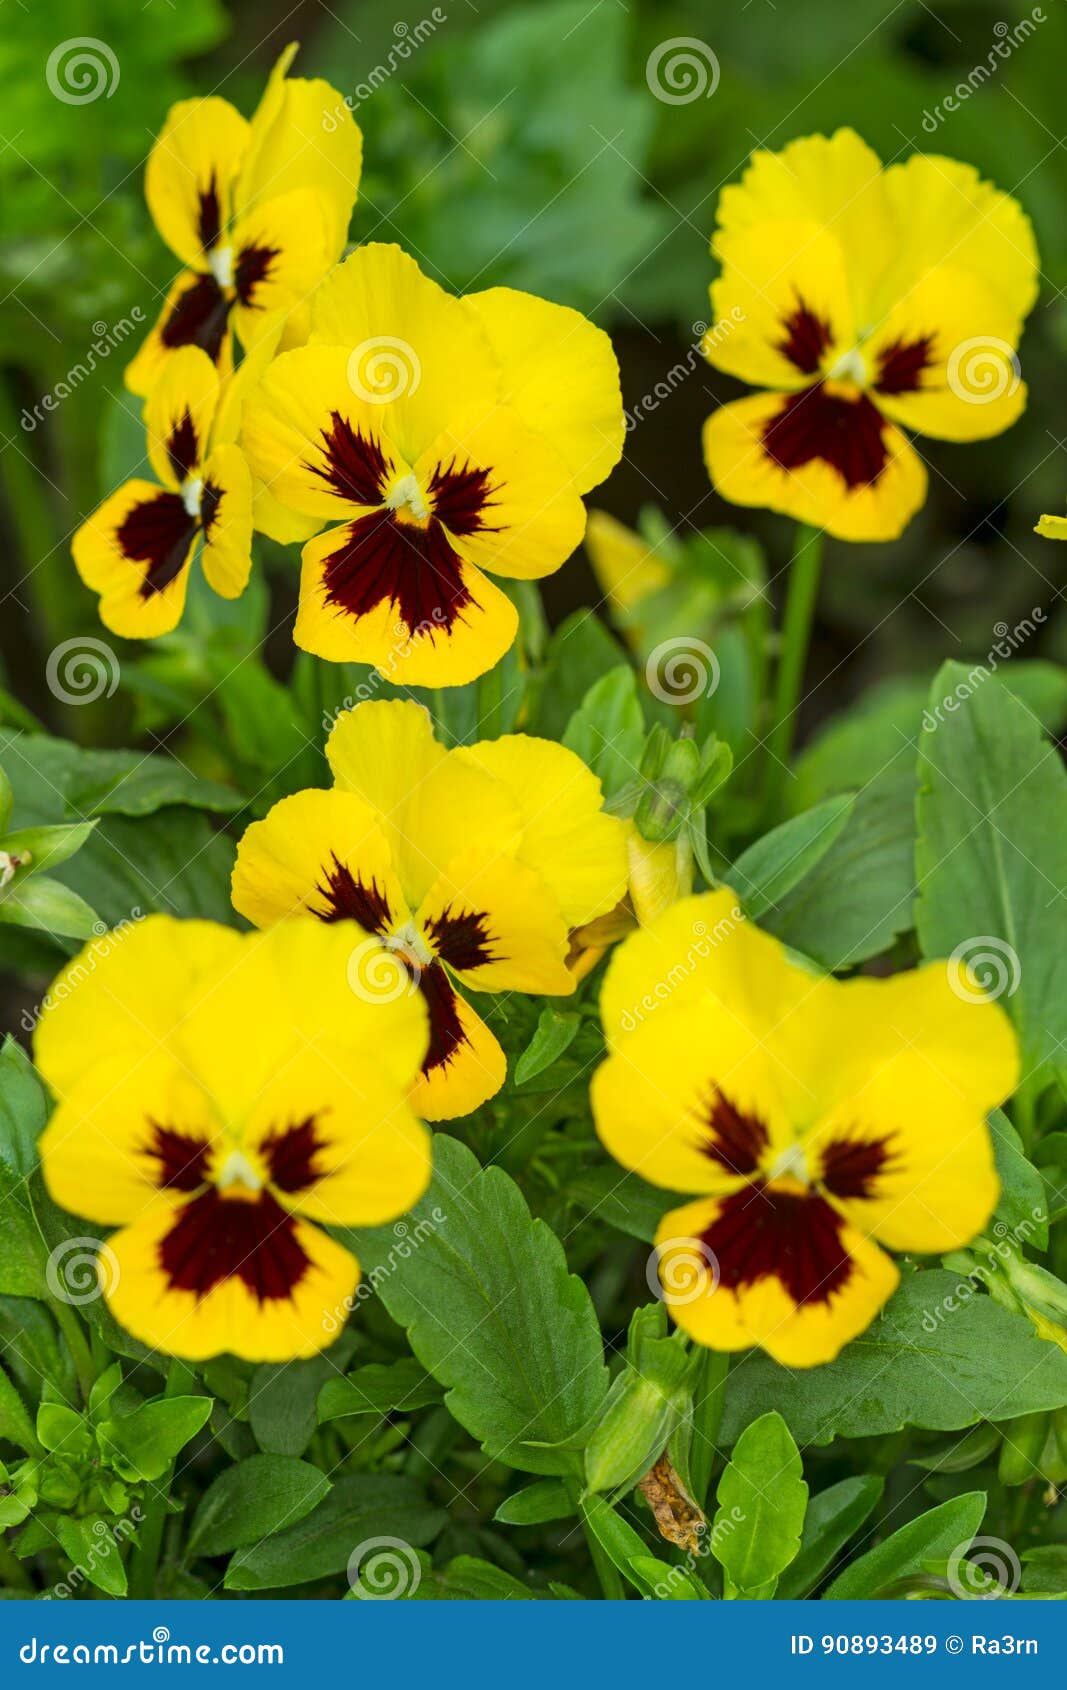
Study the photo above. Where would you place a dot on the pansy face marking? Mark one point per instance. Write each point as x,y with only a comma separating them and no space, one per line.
865,301
818,1123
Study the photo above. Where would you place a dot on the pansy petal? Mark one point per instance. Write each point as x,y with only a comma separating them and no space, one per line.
179,413
497,926
195,312
503,494
226,520
281,249
134,552
303,136
780,1269
781,309
402,599
190,176
625,565
1052,527
821,456
317,853
560,374
229,1277
146,973
415,349
465,1065
567,839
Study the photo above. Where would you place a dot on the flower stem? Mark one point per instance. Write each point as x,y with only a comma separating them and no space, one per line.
77,1344
144,1562
804,572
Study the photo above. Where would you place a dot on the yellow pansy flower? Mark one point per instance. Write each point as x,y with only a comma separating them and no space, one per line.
813,1120
219,1093
136,549
256,211
868,300
469,866
446,437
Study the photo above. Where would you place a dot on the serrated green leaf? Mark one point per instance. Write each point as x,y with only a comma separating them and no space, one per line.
94,1552
762,1500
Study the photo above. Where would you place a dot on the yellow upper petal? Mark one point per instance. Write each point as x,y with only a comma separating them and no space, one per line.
191,172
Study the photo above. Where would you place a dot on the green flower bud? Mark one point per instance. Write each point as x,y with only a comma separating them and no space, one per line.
1023,1448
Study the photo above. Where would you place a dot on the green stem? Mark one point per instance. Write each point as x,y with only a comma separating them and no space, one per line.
804,572
77,1344
145,1560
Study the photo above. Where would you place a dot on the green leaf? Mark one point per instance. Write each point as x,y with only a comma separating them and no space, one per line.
49,907
628,1551
622,1200
93,1548
762,1499
399,1388
54,779
143,1444
253,1500
771,867
1022,1207
546,1499
1045,1568
47,847
942,1355
15,1423
834,1516
467,1578
555,1032
23,1256
171,863
24,1108
282,1400
992,852
493,1313
360,1508
580,652
935,1535
607,731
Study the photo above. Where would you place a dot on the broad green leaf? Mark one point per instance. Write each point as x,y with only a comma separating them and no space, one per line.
935,1535
607,731
146,1441
556,1029
48,906
833,1516
546,1499
493,1313
992,854
375,1389
762,1499
361,1509
171,863
253,1500
771,867
1022,1206
622,1200
942,1355
93,1549
281,1402
580,652
55,781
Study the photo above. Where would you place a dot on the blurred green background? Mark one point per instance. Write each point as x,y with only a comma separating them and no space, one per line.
520,143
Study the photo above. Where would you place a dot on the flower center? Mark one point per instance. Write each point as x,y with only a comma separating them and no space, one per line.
192,488
851,366
406,500
791,1163
409,945
220,261
237,1170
